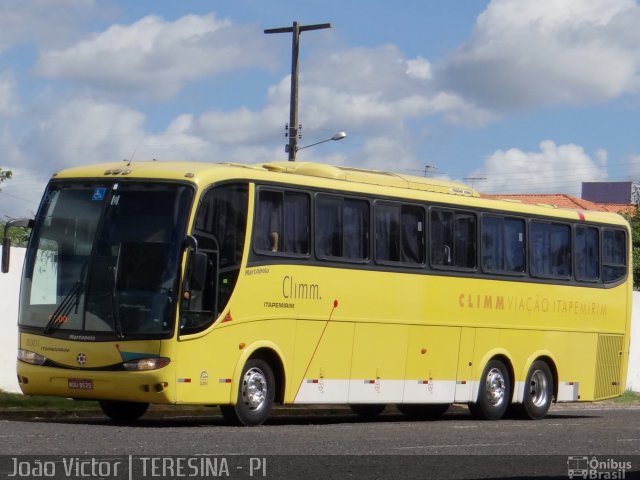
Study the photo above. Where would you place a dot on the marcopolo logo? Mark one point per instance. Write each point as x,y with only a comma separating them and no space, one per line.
81,359
597,468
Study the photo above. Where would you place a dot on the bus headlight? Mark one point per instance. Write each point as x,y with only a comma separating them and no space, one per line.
30,357
147,363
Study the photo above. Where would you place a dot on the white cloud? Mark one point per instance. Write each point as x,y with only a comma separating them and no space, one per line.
526,53
9,104
380,90
153,58
83,131
49,22
553,169
419,68
633,162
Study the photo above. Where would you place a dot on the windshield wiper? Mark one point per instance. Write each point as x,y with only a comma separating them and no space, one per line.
61,313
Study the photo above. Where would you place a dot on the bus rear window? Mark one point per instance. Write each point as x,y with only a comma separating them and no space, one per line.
614,262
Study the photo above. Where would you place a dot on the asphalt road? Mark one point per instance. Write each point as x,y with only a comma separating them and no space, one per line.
332,445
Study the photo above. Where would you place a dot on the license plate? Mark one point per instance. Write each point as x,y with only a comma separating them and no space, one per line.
81,384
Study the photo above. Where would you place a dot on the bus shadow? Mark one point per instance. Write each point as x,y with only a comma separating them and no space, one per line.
283,419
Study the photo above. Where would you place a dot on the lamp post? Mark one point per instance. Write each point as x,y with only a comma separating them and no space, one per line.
296,30
337,136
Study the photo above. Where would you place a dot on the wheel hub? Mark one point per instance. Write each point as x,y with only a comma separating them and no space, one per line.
254,389
495,387
538,388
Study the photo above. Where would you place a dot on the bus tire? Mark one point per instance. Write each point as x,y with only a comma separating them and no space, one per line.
423,411
494,392
538,392
123,411
367,410
256,393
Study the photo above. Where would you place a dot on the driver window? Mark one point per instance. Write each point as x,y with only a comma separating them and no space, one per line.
219,228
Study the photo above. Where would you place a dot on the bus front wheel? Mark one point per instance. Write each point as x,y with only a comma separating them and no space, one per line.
538,392
256,393
494,392
123,411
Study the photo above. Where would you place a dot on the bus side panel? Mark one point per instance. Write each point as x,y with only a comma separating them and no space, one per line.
326,378
577,368
464,376
431,364
207,364
379,362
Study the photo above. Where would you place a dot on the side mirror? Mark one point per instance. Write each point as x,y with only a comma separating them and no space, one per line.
6,241
6,254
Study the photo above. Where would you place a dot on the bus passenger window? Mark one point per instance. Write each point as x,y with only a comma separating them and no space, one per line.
399,233
614,261
342,228
355,240
587,254
387,228
329,227
282,223
550,250
503,247
453,239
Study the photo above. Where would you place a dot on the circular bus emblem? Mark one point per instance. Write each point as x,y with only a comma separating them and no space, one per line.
81,358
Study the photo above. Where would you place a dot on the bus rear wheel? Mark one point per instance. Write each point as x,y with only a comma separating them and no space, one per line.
123,411
256,393
494,392
538,392
367,410
423,411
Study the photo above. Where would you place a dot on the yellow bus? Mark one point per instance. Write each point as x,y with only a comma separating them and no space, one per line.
245,286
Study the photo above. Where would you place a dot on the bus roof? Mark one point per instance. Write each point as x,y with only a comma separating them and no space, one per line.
326,176
154,169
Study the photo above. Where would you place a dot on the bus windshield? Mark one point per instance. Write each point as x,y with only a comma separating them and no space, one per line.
103,261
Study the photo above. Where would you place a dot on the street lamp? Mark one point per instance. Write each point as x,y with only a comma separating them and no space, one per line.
336,137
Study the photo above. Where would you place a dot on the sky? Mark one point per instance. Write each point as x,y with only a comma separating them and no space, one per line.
509,96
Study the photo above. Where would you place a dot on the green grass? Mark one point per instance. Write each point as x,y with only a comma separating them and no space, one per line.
628,397
17,401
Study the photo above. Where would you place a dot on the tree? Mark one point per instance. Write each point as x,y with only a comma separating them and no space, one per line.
19,236
5,175
634,221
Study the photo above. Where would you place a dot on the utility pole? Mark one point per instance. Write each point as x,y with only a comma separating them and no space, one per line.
293,128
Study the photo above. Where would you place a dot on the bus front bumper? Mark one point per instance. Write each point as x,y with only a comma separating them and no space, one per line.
154,386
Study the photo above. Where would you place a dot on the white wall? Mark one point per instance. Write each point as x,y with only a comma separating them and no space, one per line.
10,287
633,373
9,291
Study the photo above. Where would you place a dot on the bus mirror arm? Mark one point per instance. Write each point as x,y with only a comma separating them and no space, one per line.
6,241
6,246
191,242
